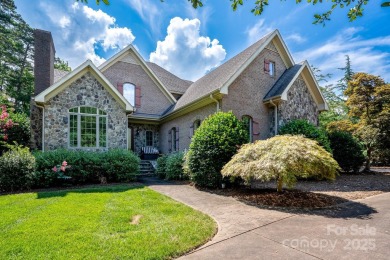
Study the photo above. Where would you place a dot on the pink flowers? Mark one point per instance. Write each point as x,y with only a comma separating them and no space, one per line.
5,123
61,167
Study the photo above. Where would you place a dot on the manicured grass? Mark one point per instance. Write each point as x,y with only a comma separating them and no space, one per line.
95,223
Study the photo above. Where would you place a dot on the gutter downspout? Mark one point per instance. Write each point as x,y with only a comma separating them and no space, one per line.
43,126
275,115
216,101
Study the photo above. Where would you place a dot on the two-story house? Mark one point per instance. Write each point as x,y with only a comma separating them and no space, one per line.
130,103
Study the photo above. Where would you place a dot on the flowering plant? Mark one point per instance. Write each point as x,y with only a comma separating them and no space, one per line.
60,170
5,123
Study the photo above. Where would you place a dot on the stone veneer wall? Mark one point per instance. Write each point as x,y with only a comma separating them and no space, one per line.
85,91
139,131
299,105
36,127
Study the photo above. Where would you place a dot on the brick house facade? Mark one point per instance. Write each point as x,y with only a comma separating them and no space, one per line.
130,103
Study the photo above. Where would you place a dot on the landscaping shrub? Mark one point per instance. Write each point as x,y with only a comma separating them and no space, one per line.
307,129
119,165
174,167
20,131
346,151
161,166
16,169
86,167
213,144
283,158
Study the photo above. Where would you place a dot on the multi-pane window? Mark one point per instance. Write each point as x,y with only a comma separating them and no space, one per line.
87,127
149,138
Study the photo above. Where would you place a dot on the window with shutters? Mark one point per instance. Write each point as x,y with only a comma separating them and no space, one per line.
149,138
129,93
87,127
248,122
195,125
269,67
173,139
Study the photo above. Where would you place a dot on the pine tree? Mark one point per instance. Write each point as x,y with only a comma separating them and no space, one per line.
348,74
16,54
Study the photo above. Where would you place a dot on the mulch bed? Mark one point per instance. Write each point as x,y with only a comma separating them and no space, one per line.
287,198
311,194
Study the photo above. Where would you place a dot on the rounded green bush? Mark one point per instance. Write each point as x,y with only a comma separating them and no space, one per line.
174,166
212,146
308,130
16,169
161,167
346,151
116,165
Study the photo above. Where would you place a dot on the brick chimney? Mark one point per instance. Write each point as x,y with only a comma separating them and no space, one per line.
43,60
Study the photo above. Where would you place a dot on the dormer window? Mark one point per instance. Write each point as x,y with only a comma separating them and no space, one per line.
269,67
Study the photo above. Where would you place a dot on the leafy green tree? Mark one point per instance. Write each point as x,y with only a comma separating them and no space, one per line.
282,158
213,144
369,103
61,64
16,52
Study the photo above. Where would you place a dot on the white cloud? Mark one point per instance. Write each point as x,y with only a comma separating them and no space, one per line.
367,55
64,21
185,53
79,30
257,31
296,37
148,12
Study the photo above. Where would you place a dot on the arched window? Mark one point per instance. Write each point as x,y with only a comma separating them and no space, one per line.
249,125
129,93
173,132
87,127
197,124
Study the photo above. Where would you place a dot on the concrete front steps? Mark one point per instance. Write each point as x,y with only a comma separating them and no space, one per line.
146,168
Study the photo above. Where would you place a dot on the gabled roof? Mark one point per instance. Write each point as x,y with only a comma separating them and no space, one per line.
130,49
280,89
220,78
65,81
173,83
284,80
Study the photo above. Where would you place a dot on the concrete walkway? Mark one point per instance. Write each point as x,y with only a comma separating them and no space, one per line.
357,230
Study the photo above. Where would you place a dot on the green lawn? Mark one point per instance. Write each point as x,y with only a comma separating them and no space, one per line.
95,223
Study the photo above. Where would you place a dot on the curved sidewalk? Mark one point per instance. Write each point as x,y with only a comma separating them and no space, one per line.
248,232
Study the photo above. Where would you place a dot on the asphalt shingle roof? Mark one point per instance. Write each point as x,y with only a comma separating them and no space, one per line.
282,83
171,82
215,79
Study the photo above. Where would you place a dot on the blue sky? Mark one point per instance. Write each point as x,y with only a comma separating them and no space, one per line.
191,42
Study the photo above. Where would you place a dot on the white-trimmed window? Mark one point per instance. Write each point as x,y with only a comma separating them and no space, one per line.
87,127
129,93
248,122
149,138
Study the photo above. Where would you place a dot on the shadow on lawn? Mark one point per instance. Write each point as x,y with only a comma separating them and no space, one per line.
104,188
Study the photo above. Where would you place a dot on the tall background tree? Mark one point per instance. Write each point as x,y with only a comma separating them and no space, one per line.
16,53
369,104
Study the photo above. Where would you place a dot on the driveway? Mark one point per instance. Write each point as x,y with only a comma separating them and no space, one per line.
355,230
